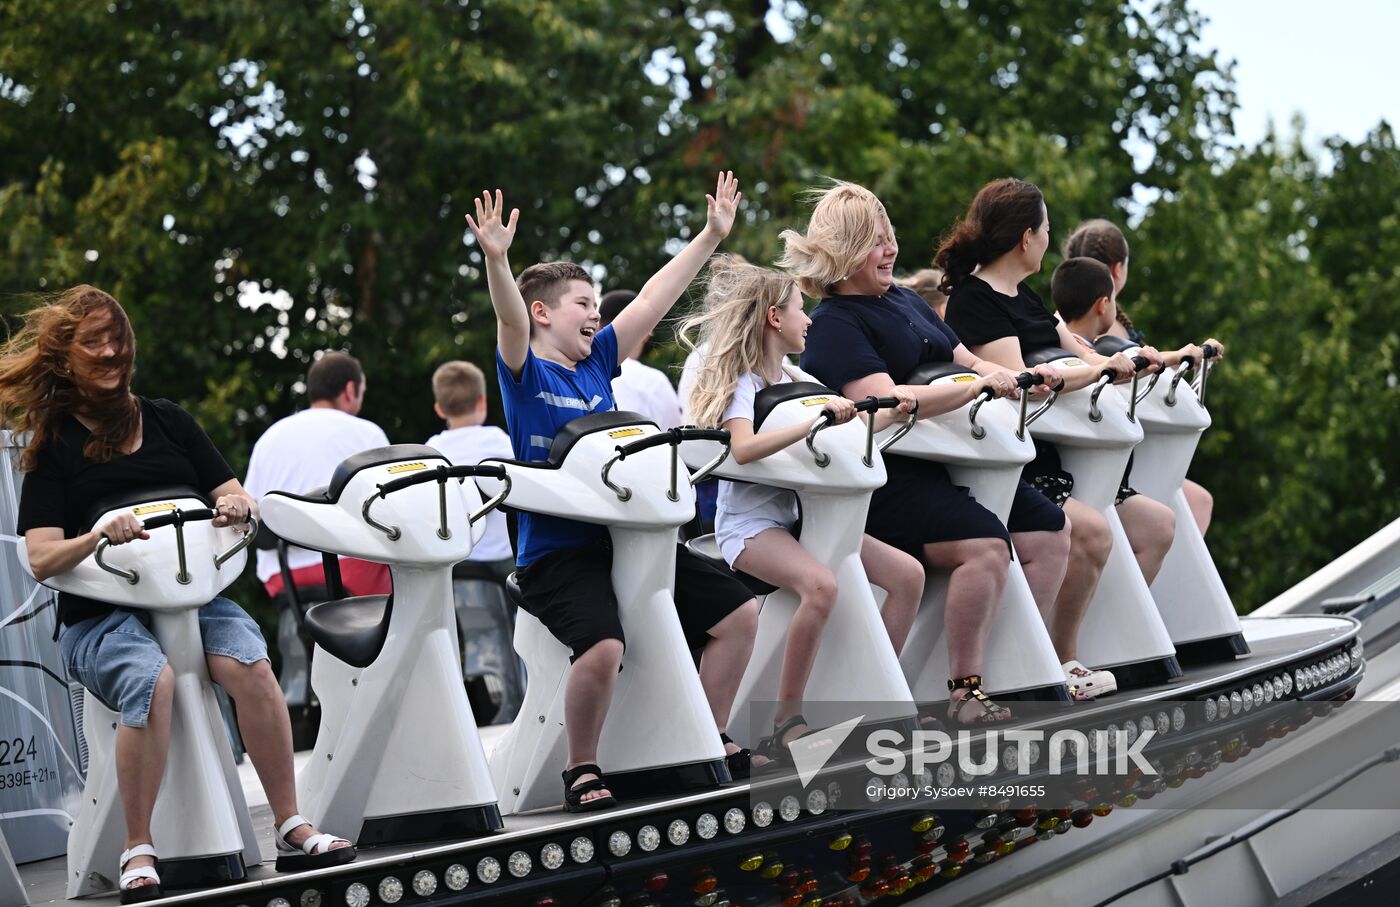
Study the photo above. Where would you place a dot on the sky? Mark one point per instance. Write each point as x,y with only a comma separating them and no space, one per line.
1334,61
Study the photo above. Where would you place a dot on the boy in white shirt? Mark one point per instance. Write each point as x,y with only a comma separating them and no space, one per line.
459,393
300,453
640,388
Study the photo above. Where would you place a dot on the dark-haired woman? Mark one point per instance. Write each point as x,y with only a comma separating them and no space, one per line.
985,259
1103,241
65,378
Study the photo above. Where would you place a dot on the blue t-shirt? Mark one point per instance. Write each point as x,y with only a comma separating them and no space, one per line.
855,336
538,404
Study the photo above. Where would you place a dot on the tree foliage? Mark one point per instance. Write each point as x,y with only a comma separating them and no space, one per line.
259,181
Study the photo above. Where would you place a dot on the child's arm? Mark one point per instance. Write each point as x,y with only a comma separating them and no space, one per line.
746,447
512,317
657,296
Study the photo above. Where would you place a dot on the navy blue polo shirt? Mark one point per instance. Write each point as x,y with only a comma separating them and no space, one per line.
852,337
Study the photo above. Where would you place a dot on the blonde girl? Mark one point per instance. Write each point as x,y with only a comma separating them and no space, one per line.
752,321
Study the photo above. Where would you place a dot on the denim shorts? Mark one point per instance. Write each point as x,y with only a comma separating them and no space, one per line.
117,659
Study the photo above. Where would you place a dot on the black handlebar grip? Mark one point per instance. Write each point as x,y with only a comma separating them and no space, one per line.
1209,351
480,469
871,404
703,434
657,440
420,478
1141,362
1029,379
178,516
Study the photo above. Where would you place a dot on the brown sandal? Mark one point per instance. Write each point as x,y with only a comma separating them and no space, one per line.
991,714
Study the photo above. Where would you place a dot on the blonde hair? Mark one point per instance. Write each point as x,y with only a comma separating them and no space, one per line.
457,386
925,283
737,298
845,225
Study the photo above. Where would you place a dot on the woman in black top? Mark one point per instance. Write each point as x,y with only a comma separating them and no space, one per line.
66,379
866,337
985,258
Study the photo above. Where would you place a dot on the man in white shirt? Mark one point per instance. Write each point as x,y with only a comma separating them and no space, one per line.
300,453
459,395
640,388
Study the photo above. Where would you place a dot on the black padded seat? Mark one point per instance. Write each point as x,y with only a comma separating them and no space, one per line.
569,435
513,592
1049,354
375,456
703,547
768,399
931,371
138,496
352,629
1110,345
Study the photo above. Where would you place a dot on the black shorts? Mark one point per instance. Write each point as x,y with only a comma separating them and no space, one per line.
919,505
1054,482
1032,511
570,591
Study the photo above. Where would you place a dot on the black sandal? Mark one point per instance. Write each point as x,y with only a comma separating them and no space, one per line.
991,714
774,749
573,796
741,763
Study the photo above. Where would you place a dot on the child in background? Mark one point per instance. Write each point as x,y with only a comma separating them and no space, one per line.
753,320
459,398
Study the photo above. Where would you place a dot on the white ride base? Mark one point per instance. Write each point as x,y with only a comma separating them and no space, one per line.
398,757
200,824
659,736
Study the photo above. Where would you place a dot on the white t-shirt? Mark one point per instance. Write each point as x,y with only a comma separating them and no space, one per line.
690,373
300,453
646,390
741,500
468,446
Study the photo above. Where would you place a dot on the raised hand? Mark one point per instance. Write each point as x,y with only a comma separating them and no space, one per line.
492,233
723,205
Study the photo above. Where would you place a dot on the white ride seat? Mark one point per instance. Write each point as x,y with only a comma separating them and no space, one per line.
1122,629
618,470
983,450
200,825
397,757
833,475
1190,595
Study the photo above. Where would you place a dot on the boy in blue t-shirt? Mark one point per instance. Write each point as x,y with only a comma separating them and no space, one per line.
554,364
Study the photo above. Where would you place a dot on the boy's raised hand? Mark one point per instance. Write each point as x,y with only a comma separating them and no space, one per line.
492,233
723,205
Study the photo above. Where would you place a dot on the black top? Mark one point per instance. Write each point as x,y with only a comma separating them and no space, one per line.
980,315
64,485
855,336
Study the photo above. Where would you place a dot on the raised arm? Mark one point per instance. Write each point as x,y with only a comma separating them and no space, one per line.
494,235
659,293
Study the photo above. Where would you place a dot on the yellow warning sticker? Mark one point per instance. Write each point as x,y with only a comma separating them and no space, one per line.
406,467
961,378
625,433
148,509
1070,362
816,401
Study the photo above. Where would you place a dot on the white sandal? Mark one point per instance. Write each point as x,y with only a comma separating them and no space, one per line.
314,853
140,893
1086,683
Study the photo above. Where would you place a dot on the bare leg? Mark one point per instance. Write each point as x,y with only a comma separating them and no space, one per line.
1200,502
1150,526
902,578
775,557
588,693
974,591
267,734
141,755
1090,543
723,661
1044,559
